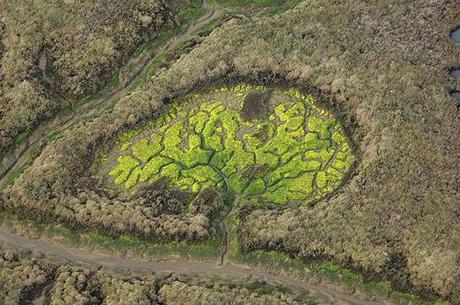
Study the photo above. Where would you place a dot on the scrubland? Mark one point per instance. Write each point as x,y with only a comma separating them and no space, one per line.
55,53
26,278
378,67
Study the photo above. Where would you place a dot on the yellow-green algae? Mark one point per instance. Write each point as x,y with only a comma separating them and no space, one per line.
298,153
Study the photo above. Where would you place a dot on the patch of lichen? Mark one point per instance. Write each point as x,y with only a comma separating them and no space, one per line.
299,151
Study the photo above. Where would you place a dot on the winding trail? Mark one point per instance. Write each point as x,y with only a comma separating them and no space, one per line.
128,77
118,263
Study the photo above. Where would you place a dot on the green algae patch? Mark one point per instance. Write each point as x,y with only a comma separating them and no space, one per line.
294,152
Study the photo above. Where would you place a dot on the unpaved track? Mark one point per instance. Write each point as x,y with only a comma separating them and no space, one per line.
119,263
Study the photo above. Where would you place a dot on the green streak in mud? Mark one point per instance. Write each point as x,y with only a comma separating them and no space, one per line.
191,12
248,3
263,7
326,270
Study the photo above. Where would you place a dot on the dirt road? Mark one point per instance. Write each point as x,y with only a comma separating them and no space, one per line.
118,263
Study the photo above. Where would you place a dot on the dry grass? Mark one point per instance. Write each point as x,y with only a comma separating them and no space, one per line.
381,65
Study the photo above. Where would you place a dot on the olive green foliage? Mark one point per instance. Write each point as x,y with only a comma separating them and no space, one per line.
25,276
20,277
183,294
128,291
74,285
298,153
53,54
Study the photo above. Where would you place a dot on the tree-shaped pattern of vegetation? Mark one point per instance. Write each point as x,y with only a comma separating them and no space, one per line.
296,153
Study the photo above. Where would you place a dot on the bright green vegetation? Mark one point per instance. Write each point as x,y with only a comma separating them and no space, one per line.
298,153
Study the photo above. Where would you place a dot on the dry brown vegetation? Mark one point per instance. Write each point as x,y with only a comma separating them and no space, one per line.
21,277
381,65
25,278
57,52
179,293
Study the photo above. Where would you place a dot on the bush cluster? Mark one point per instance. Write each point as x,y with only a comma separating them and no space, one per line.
55,53
129,291
24,278
20,276
180,293
75,285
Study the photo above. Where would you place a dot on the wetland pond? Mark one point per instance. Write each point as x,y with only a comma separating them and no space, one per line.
270,145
